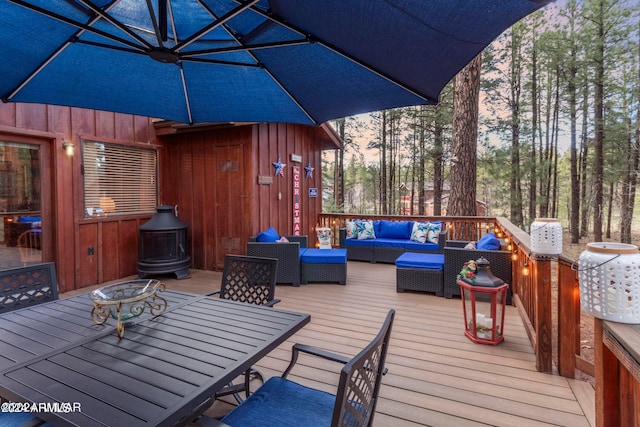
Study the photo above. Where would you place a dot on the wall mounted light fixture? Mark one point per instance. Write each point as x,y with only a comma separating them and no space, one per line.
68,148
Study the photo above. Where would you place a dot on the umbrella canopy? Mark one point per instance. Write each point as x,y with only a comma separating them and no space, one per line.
193,61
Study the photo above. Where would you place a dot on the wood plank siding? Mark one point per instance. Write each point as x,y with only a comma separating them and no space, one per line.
68,234
212,175
437,377
210,172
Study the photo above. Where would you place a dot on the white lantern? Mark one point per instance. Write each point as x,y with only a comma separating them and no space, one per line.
546,236
609,276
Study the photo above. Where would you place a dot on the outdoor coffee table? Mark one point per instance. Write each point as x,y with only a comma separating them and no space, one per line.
159,373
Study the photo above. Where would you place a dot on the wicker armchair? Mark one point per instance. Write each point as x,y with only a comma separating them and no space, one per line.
455,256
287,254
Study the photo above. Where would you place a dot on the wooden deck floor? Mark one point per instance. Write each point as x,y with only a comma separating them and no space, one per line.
437,377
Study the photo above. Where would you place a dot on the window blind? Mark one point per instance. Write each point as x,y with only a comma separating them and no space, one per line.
118,179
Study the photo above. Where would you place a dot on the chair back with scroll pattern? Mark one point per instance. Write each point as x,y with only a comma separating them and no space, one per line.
22,287
360,381
249,279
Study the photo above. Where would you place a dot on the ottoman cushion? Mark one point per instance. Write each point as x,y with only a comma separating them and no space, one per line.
420,260
324,256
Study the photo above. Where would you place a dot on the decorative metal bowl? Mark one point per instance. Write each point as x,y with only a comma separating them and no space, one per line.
125,301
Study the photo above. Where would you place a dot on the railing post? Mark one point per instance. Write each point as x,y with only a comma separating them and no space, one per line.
607,381
542,322
568,319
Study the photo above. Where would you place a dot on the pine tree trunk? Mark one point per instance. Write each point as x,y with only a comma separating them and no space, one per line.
515,201
422,159
462,200
629,184
437,167
383,166
533,188
338,171
610,209
584,214
574,214
598,169
553,167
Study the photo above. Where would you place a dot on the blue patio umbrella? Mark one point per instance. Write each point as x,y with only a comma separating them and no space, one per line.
194,61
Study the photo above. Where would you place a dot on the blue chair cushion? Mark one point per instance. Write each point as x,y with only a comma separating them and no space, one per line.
386,242
413,245
16,419
395,229
269,235
358,242
417,260
280,402
488,242
324,256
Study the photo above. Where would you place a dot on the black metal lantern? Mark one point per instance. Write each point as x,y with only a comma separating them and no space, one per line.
484,300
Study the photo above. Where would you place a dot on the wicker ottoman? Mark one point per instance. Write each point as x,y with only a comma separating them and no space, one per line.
323,265
420,272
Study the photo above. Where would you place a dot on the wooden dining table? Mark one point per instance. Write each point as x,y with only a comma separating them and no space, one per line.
53,357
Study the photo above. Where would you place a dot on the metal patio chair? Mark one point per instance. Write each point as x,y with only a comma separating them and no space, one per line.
282,402
29,246
22,287
250,280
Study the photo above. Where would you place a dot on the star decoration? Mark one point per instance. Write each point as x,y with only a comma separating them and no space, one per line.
309,170
279,167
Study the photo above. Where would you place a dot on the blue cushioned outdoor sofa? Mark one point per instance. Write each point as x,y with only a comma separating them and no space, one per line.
384,241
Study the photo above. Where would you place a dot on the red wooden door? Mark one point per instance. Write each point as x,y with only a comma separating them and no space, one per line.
230,197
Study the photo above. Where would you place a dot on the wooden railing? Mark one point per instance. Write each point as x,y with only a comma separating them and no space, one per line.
459,228
532,283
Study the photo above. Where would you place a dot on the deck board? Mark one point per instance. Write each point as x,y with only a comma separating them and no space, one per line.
437,377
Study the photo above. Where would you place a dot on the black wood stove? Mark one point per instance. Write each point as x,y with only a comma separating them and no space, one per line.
163,245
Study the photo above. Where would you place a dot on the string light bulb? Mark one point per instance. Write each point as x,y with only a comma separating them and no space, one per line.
525,269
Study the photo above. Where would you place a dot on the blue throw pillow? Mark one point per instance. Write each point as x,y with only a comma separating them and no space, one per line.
268,235
395,229
488,242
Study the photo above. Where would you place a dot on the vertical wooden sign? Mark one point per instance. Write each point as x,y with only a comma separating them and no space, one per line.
296,200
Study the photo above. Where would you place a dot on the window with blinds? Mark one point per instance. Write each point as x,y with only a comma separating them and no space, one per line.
118,179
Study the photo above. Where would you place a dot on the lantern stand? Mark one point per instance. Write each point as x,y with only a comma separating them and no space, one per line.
484,301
